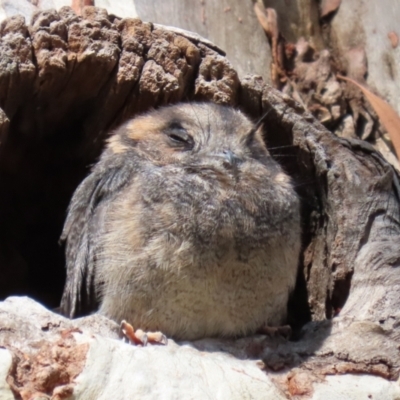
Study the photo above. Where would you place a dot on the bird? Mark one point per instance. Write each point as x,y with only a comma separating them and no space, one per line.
186,225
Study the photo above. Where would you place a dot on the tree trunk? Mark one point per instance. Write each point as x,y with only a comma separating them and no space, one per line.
66,80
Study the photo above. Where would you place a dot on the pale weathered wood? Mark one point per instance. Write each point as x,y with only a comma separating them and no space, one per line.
231,24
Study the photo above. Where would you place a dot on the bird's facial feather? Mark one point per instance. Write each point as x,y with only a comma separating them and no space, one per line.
204,136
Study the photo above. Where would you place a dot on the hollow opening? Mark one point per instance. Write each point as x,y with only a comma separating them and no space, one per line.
39,170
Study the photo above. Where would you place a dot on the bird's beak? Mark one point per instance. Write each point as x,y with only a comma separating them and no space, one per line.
230,159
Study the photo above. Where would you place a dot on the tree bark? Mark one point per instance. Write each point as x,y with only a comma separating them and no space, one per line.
67,80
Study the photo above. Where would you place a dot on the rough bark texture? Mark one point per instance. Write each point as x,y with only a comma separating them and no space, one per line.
230,24
67,80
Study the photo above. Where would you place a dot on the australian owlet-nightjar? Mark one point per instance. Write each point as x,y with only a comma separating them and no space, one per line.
185,225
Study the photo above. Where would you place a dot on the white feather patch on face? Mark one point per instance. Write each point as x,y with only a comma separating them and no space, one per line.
282,178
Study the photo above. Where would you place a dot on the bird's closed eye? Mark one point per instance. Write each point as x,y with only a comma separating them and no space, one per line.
178,136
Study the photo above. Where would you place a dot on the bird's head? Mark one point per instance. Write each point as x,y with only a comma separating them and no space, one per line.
201,137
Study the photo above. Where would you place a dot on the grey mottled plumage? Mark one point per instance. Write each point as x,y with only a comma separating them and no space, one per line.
185,225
